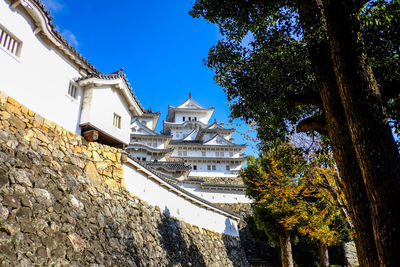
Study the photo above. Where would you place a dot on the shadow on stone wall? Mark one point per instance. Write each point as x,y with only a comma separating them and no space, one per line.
53,213
178,249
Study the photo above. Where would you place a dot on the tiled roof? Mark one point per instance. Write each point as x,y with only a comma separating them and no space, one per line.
119,74
223,187
137,145
198,143
61,38
172,165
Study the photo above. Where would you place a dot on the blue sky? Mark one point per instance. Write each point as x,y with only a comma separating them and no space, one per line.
159,45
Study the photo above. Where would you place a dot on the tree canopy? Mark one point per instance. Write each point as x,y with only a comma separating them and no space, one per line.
263,64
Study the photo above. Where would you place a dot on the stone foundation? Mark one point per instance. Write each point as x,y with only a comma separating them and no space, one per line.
63,203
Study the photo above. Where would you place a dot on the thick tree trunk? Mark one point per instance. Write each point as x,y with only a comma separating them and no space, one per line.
286,249
340,140
324,255
375,148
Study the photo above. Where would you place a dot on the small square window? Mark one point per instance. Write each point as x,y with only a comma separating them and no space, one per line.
73,91
209,167
117,121
143,159
213,167
228,168
194,167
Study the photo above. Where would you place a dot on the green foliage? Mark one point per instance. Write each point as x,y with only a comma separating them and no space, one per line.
262,60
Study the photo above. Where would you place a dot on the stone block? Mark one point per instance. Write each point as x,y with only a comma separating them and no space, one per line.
39,119
77,242
92,173
113,185
96,156
12,109
49,124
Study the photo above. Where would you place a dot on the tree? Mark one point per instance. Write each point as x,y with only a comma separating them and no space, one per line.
292,76
282,182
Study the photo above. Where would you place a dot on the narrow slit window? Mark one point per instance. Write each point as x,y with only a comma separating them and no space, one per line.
117,121
9,43
73,91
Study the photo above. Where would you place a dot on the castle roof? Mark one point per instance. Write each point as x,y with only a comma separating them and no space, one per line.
189,105
181,142
169,165
118,80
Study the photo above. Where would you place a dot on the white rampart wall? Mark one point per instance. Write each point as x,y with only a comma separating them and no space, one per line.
217,196
176,205
40,76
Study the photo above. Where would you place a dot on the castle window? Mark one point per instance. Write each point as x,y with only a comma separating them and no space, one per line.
203,153
228,168
195,118
9,43
231,154
73,91
209,167
190,118
195,167
183,118
117,121
185,153
143,159
179,153
213,167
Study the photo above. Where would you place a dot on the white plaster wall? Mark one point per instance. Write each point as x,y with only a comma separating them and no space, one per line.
177,206
99,111
202,117
39,78
220,196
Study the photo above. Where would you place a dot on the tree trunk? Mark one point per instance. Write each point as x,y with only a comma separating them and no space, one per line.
340,140
286,249
375,148
324,255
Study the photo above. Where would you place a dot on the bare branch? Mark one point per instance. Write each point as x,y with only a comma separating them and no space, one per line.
317,124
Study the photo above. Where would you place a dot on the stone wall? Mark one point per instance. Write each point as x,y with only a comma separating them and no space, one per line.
223,180
63,203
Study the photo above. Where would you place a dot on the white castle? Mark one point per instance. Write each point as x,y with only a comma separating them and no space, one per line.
187,137
197,161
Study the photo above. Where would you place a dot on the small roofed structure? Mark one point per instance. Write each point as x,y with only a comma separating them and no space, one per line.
107,108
